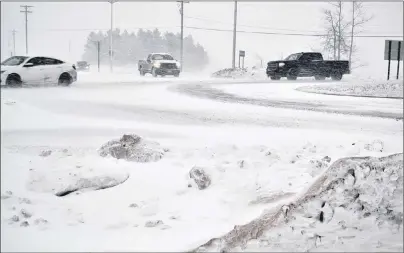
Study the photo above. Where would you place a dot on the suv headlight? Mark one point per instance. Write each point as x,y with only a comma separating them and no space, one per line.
281,64
178,64
156,65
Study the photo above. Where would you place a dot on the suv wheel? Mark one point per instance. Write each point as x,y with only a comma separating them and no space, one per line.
153,72
336,76
13,80
65,79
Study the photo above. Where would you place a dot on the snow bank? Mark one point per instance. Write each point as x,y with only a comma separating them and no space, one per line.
238,73
356,204
383,89
132,148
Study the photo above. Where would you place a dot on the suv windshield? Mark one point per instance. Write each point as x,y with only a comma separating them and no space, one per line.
293,57
14,61
162,57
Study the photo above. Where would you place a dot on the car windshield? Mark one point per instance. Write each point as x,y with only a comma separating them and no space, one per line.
81,63
162,57
14,61
293,57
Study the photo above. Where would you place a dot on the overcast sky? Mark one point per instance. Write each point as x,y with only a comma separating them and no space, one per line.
60,29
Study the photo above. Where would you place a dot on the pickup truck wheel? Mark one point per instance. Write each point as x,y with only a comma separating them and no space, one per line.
336,76
13,80
292,74
319,78
153,72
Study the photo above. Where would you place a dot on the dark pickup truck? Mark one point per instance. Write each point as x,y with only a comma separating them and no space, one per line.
307,65
161,64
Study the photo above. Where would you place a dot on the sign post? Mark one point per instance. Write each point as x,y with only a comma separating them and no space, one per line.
399,58
241,53
392,51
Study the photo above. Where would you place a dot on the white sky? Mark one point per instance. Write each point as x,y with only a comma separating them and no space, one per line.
299,17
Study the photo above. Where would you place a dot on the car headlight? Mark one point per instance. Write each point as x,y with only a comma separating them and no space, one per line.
281,64
156,65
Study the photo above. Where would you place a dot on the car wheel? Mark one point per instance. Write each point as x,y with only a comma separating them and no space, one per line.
65,79
141,72
153,71
336,76
275,77
177,75
13,80
292,74
319,78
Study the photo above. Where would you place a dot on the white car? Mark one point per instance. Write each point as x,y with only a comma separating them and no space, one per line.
20,70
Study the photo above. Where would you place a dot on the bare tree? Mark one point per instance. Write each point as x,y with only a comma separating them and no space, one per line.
336,26
359,18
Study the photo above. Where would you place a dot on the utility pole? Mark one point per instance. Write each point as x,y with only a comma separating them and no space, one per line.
182,33
26,11
234,35
13,32
110,35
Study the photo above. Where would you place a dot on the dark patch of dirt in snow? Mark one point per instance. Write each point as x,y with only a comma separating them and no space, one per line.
354,198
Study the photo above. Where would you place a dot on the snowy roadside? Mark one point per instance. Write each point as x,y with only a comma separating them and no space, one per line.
251,168
354,205
379,89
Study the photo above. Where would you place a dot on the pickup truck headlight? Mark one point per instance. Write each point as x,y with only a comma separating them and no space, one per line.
281,64
156,65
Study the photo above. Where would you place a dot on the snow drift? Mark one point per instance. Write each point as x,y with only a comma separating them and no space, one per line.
353,200
381,89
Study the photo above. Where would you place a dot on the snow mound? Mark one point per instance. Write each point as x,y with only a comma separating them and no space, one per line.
66,181
132,148
355,201
382,89
94,183
231,73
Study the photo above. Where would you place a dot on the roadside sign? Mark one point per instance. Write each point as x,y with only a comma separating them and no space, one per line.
242,53
393,51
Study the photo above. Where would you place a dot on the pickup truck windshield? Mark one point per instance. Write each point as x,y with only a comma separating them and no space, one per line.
162,57
293,57
14,61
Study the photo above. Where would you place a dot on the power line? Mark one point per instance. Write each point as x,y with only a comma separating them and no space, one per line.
288,34
250,26
26,11
223,30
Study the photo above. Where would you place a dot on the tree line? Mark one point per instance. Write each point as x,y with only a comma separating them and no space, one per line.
129,48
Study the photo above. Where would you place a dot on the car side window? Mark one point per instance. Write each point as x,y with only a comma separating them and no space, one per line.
306,57
37,61
316,57
51,61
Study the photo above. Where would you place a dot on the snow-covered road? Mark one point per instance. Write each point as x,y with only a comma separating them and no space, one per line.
250,151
